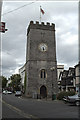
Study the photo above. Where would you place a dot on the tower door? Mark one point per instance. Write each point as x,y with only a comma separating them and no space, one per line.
43,91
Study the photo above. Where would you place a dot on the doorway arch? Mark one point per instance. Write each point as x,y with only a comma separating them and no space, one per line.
43,91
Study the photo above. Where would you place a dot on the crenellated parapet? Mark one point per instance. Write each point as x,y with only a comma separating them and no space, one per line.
41,26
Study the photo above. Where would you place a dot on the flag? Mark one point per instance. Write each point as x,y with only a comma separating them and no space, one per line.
42,11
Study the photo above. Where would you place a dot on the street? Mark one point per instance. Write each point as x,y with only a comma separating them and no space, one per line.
18,107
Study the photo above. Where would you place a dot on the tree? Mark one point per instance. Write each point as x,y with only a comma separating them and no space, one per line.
4,81
15,81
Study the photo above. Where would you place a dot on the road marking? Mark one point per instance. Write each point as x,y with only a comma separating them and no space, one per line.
20,111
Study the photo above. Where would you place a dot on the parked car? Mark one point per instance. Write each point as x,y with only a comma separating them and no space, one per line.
75,99
18,93
9,92
4,92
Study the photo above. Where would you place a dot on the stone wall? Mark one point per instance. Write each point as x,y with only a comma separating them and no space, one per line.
37,60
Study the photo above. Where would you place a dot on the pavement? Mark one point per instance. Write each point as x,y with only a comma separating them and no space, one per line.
43,99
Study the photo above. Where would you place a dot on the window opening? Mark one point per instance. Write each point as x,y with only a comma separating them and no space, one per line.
43,73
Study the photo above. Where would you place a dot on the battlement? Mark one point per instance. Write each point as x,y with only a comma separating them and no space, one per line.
41,25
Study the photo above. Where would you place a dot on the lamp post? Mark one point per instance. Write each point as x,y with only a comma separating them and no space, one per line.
52,69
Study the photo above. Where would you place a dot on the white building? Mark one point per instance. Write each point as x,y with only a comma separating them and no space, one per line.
8,82
60,68
22,73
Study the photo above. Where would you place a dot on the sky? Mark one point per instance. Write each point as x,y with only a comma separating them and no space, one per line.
63,14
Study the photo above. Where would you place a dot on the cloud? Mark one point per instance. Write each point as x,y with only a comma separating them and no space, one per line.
63,14
9,63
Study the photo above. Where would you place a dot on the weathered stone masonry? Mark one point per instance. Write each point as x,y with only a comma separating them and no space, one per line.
40,78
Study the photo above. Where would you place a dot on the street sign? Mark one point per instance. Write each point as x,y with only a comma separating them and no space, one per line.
2,27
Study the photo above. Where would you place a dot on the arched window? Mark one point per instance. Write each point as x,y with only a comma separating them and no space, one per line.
43,73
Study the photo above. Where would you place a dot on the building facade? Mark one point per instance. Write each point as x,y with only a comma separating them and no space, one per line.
41,64
68,80
77,76
22,74
60,69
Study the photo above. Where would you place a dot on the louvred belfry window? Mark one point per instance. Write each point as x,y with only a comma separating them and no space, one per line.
43,73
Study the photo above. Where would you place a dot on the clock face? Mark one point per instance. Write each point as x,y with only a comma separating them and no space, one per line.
43,47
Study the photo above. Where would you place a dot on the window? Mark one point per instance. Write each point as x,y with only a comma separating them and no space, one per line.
43,73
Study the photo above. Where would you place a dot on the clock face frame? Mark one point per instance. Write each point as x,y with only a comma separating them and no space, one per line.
43,47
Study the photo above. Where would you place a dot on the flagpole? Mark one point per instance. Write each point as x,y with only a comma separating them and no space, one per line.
40,14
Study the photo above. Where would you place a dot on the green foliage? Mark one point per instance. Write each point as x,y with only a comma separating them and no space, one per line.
15,82
10,84
64,93
25,82
4,81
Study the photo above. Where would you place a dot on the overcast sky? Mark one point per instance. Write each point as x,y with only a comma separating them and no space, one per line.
63,14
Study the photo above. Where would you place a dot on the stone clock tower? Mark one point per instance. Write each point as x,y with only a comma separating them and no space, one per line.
41,64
